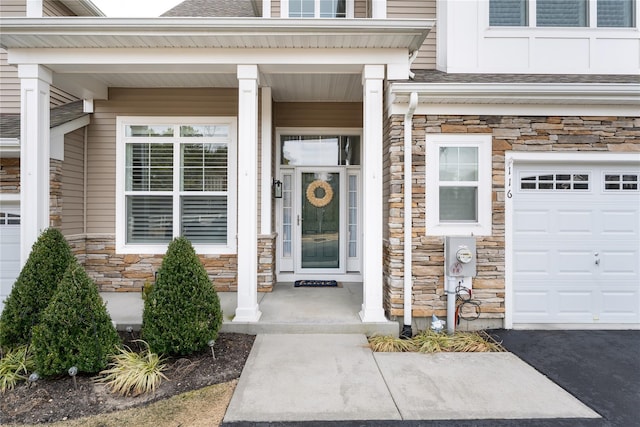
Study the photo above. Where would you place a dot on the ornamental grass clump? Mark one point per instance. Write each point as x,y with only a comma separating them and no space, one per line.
76,329
15,366
131,373
389,344
182,312
33,289
435,342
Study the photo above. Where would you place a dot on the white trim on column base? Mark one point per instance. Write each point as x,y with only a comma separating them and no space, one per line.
245,315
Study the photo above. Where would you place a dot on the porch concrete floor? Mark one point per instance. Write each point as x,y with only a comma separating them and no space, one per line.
284,310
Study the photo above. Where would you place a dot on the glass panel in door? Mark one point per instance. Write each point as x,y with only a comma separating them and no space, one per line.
320,237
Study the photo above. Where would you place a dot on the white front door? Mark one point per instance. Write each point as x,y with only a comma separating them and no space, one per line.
576,250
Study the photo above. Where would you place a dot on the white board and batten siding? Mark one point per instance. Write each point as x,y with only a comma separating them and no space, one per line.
576,244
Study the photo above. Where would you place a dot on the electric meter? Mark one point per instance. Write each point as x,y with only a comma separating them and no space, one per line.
464,255
460,256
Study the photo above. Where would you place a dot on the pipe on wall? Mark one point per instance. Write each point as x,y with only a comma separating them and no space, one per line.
408,202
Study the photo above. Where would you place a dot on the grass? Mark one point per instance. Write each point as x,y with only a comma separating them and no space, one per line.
198,408
14,367
433,342
133,373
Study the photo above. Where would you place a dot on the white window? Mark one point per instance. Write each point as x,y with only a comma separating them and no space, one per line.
175,177
316,8
561,13
458,185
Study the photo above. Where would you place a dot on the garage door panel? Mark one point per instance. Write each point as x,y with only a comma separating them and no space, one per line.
532,304
572,302
529,262
619,223
619,263
572,222
620,302
574,262
532,222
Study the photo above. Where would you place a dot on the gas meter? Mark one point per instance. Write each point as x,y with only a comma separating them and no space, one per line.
460,256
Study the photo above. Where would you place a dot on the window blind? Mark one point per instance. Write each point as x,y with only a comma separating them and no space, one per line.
615,13
561,13
204,218
149,219
503,13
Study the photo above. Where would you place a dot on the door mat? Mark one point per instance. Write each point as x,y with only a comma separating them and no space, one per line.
316,283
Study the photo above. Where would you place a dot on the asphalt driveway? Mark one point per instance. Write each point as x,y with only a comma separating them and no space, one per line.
600,368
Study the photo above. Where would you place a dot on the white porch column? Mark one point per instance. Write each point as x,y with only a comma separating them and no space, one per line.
34,9
247,309
35,81
379,9
372,79
266,177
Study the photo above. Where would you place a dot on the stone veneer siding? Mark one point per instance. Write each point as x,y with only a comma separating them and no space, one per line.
55,193
515,133
10,175
266,262
10,184
127,273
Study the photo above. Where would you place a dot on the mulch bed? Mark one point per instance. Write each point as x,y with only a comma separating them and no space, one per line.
56,399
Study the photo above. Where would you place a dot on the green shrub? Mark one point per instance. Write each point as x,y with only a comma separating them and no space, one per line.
182,312
132,373
49,258
15,366
75,329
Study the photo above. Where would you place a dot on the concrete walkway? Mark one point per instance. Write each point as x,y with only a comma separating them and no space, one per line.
321,377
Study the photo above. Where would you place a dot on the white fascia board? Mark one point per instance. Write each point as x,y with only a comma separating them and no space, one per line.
58,57
9,147
75,31
517,99
82,7
564,157
58,133
506,108
541,90
81,86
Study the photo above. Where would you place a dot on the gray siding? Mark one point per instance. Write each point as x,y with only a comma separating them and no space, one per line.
417,9
10,8
138,102
73,183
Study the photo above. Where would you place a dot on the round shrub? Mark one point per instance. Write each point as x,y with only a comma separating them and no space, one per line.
33,289
182,312
75,329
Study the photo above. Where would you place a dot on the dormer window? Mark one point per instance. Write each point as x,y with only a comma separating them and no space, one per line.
317,8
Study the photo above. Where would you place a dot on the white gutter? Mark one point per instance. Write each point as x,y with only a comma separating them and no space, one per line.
628,93
408,202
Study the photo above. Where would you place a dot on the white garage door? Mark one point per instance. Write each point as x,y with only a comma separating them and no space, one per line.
576,241
9,249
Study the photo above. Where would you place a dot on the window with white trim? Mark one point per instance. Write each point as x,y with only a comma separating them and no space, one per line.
458,185
175,177
621,181
317,8
561,13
